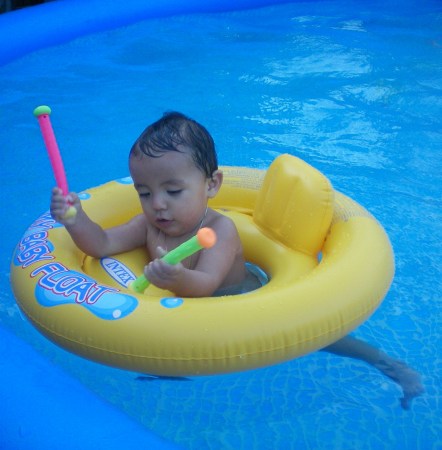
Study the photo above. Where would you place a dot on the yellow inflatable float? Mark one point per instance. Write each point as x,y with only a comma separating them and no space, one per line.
329,264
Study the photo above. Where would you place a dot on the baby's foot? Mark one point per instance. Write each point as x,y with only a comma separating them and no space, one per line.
408,379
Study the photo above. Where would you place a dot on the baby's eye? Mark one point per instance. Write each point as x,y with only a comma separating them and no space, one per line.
174,191
143,194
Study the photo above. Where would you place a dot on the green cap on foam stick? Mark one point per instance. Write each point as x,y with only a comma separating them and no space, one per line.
205,238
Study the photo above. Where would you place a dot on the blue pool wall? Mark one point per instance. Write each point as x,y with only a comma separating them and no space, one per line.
42,407
60,21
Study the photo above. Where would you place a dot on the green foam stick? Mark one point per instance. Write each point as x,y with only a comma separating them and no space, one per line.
205,238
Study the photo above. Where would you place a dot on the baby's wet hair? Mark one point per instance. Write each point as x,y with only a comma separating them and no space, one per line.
177,132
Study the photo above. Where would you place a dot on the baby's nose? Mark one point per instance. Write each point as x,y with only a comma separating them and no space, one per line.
158,202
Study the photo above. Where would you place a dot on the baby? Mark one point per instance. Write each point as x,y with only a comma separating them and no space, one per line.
175,171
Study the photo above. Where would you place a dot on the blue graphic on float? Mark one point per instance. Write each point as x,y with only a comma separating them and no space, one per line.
34,246
84,196
58,285
125,180
171,302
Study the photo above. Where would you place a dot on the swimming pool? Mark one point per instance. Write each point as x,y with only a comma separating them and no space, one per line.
354,90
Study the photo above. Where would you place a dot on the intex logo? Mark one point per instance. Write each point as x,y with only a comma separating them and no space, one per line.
118,271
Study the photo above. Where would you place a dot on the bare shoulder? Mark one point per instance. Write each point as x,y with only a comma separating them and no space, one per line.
226,258
219,221
221,224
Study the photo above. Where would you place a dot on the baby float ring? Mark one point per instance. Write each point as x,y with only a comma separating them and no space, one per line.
329,261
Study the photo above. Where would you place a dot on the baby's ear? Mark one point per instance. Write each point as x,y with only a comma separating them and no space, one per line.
214,183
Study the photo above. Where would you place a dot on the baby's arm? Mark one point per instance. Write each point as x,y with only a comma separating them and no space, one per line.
90,237
211,270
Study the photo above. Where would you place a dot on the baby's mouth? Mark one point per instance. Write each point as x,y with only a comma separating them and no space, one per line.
163,222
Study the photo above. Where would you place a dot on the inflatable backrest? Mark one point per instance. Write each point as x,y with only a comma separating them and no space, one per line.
239,189
295,204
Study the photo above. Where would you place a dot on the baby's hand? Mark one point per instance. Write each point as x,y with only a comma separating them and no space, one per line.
162,274
61,204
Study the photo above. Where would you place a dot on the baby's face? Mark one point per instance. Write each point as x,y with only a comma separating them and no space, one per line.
173,191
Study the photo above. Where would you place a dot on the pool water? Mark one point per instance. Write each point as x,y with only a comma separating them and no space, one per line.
354,88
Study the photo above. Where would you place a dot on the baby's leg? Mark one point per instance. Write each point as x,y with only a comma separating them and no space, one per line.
407,378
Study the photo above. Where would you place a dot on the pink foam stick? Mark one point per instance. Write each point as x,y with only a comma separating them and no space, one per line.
42,113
